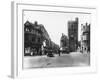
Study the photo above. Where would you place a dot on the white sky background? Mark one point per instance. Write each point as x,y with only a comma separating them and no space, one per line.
56,23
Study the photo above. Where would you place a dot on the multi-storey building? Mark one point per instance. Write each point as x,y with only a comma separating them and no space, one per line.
85,38
73,35
64,43
36,39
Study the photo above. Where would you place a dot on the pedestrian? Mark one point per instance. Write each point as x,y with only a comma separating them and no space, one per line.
59,52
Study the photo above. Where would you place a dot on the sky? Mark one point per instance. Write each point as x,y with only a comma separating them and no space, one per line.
56,23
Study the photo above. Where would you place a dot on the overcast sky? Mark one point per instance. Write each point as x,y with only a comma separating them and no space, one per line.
56,23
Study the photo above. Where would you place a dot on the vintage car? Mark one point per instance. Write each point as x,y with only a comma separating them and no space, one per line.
50,54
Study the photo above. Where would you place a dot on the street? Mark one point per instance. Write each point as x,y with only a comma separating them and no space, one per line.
65,60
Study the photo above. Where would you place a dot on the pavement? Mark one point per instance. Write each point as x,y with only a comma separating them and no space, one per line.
65,60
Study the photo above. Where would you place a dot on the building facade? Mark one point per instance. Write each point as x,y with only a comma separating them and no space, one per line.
85,37
73,35
36,39
64,43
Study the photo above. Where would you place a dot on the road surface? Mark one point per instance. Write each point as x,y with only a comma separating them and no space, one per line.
65,60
